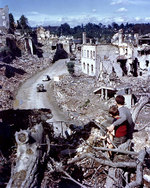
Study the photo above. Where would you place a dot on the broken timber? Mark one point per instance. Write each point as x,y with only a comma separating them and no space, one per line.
24,173
141,103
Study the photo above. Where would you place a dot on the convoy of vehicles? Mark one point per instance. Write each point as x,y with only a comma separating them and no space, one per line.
46,78
40,87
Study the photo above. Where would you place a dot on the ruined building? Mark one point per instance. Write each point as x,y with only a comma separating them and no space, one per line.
4,19
126,55
69,44
98,58
45,37
134,53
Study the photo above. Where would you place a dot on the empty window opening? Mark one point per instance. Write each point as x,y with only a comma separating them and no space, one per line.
87,68
83,65
123,66
147,63
92,68
93,54
87,53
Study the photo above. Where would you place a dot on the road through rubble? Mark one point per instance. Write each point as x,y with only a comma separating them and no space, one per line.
28,97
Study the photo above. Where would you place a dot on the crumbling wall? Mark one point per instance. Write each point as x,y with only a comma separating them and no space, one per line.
108,60
4,18
133,49
16,73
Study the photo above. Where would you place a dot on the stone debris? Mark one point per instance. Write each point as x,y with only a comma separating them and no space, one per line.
24,67
75,95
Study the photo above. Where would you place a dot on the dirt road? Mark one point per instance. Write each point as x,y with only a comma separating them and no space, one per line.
28,97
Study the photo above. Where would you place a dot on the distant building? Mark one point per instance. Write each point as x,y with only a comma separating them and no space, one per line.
127,55
134,52
95,58
4,18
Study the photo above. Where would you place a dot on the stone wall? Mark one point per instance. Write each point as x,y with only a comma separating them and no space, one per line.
4,17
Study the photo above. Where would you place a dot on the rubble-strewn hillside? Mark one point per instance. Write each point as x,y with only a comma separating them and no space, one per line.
12,75
76,95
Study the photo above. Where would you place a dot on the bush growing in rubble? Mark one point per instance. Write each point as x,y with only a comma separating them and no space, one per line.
70,67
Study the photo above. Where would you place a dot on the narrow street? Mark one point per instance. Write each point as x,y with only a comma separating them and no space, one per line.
28,97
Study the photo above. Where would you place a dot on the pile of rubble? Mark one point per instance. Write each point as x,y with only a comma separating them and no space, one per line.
12,75
75,95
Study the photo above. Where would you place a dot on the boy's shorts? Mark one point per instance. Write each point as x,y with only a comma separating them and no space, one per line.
119,140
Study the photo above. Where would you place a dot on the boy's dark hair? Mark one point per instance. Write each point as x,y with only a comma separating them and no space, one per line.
113,110
120,99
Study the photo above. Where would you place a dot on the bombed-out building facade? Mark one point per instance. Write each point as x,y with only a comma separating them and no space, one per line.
4,19
68,43
127,55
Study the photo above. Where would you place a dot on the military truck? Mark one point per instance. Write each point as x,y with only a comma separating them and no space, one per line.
40,88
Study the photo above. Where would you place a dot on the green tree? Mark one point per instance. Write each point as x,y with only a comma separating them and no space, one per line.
23,21
70,67
64,29
122,26
115,26
11,23
77,31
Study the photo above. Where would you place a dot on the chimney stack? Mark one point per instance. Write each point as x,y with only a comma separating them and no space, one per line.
84,38
90,41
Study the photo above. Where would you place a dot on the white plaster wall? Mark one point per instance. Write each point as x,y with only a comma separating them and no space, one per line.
47,34
128,64
105,58
130,52
106,54
31,45
120,38
123,50
135,52
4,17
115,39
118,69
107,67
128,99
142,61
66,47
88,60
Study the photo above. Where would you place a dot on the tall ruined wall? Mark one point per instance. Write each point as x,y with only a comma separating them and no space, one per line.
107,52
4,17
108,60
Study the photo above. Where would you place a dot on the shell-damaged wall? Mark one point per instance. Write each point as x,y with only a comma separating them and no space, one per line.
4,17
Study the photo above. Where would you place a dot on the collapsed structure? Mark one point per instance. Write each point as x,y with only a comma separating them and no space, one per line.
127,55
4,19
69,44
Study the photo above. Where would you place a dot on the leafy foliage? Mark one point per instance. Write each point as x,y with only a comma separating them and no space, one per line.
64,29
100,31
23,23
11,23
70,67
94,31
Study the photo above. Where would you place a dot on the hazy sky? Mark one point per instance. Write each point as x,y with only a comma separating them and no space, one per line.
77,12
